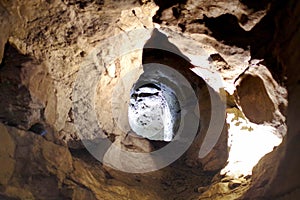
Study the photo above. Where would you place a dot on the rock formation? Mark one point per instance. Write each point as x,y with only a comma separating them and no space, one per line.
69,71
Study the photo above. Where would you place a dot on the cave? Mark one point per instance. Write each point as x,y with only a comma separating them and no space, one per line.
154,111
149,99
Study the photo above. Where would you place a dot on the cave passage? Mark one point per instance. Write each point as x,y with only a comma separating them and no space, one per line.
154,111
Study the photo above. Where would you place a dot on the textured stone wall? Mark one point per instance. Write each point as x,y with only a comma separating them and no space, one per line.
282,166
251,45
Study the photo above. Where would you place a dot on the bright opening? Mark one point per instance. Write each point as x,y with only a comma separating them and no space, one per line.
248,143
154,111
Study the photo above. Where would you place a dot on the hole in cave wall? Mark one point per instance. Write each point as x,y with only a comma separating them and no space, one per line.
151,58
154,110
256,5
172,57
226,28
179,63
164,5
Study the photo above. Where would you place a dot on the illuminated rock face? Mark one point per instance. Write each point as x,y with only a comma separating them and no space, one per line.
57,35
154,112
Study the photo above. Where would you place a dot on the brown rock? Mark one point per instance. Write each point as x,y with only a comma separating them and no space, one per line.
254,99
234,184
217,157
260,96
5,30
80,193
215,190
17,106
7,150
17,192
58,158
201,189
279,170
60,34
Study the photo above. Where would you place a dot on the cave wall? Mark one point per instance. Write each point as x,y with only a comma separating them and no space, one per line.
55,36
284,173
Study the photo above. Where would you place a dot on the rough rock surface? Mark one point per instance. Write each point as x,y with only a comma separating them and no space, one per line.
18,106
44,44
257,85
33,167
282,175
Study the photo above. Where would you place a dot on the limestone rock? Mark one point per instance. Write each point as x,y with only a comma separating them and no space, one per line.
136,143
82,193
5,30
58,158
254,100
17,192
18,106
7,151
37,163
234,184
47,41
217,158
283,175
260,96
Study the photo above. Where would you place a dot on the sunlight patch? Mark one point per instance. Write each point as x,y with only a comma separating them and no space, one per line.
247,143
